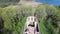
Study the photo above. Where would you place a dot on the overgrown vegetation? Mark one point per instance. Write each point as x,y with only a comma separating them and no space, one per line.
5,3
13,19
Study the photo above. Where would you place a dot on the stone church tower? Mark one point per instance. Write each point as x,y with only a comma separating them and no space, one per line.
30,2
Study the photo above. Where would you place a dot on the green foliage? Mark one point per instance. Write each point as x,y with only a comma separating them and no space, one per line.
5,3
15,17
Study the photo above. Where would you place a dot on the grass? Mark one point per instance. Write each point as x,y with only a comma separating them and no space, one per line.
15,18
